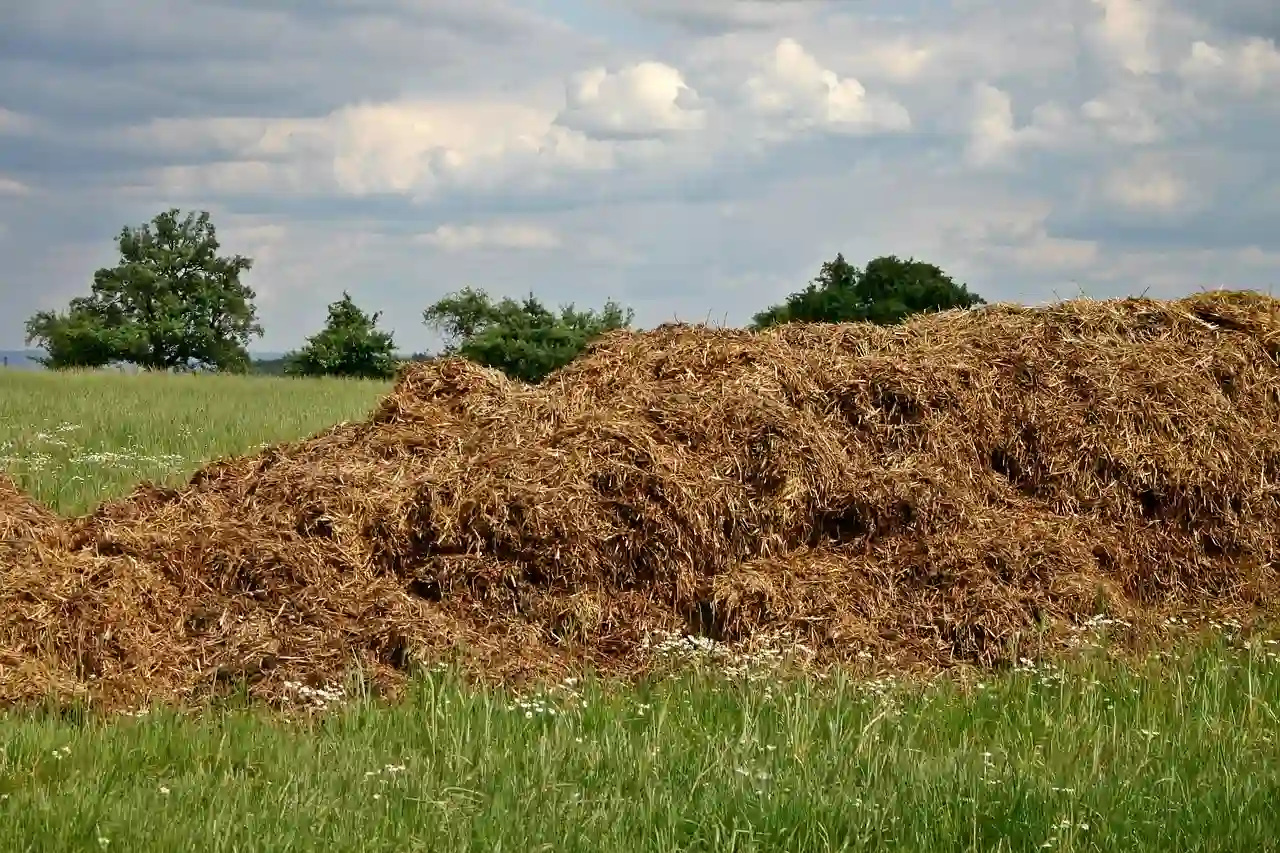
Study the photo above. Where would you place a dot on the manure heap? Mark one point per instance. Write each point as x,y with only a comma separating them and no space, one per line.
946,491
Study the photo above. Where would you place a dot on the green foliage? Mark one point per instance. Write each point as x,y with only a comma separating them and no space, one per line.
87,336
523,339
171,303
269,366
888,291
349,345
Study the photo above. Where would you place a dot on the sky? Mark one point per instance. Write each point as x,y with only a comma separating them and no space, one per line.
697,160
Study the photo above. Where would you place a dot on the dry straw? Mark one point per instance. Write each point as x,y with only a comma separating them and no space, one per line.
950,490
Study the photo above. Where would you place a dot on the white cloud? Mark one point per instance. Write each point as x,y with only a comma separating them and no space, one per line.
409,147
995,139
1014,235
1249,67
1146,188
240,178
1126,31
992,135
898,59
643,100
1125,116
1132,114
424,148
13,187
419,148
794,87
457,238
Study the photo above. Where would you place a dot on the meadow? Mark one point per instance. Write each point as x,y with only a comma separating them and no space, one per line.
1171,752
72,440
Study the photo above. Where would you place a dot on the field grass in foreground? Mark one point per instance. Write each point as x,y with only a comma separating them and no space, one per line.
72,440
1177,755
1096,757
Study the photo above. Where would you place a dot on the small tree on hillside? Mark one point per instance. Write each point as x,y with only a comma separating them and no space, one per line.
349,345
888,291
172,302
522,339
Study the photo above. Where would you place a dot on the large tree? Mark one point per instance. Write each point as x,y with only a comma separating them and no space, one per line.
523,339
171,303
888,291
349,345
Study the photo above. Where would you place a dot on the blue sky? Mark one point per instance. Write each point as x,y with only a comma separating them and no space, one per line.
695,159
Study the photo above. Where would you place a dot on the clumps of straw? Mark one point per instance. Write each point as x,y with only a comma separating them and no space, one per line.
957,489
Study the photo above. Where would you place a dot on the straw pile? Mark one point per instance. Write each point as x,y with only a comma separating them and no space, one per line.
943,491
22,520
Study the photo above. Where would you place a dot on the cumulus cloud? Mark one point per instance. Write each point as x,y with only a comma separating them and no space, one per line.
417,148
794,88
648,99
995,138
1249,67
1125,32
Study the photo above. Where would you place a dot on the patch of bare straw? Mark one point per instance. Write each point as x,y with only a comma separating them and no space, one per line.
22,520
964,488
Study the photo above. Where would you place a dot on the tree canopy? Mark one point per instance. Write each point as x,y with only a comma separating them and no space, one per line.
349,345
523,339
171,303
888,291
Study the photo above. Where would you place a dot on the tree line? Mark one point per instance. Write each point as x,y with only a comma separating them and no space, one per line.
173,303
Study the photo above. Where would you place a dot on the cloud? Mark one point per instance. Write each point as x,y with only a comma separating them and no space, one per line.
648,99
1237,18
1125,115
713,17
995,138
793,88
420,148
1249,67
10,186
1146,189
459,238
417,148
1125,33
692,159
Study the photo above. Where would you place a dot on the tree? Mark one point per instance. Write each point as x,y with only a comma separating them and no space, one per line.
349,345
171,303
522,339
87,336
887,292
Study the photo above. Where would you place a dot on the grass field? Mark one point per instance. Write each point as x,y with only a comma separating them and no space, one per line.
1176,754
74,440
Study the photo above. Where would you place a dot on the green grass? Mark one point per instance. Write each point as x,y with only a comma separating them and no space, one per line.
76,439
1177,754
1096,757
